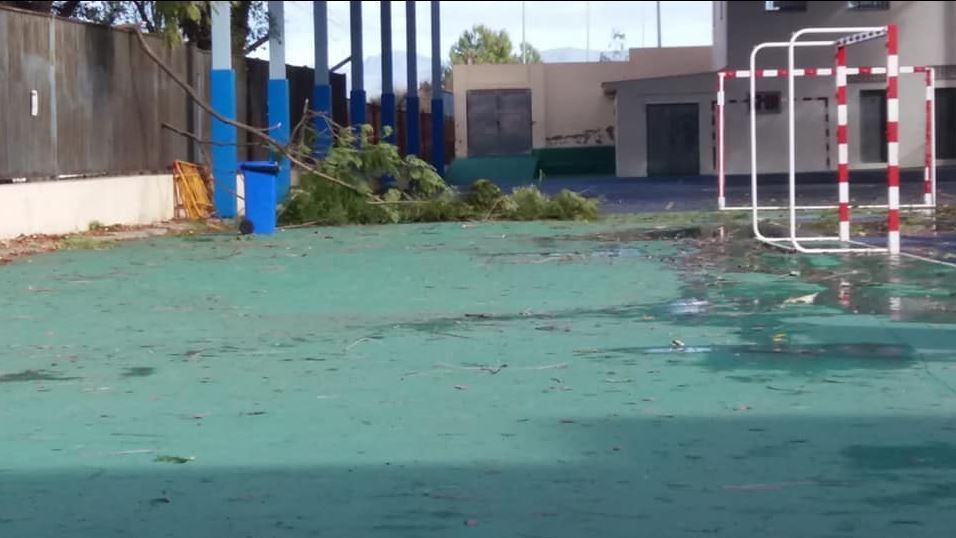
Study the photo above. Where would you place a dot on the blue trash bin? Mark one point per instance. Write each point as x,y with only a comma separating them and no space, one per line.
259,179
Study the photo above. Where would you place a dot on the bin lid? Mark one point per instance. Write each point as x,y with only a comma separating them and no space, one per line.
267,167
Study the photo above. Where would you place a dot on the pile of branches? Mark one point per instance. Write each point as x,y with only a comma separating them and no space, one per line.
362,181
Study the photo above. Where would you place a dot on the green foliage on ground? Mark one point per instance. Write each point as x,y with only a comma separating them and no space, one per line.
82,242
410,190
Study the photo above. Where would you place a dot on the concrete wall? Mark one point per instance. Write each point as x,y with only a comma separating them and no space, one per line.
925,31
568,105
61,207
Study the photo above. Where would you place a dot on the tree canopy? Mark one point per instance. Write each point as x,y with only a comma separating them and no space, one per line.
189,21
531,54
482,45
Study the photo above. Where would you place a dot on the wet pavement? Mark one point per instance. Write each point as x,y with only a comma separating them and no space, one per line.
635,195
527,380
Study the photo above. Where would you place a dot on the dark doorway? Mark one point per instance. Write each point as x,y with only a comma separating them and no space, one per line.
673,140
499,122
946,123
873,126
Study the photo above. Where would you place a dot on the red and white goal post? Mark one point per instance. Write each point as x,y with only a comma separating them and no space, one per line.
840,72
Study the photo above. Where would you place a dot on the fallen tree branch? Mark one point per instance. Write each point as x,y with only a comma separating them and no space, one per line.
261,134
195,138
256,44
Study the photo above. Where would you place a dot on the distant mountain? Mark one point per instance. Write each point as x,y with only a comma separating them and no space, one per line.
373,72
373,67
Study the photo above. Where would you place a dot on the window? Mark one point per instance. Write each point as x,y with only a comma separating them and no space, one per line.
946,123
873,126
784,6
767,103
869,5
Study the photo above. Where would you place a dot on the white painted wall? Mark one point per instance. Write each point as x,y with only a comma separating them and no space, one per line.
61,207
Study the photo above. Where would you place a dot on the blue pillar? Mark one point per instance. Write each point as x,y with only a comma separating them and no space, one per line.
322,91
412,133
278,96
222,90
438,112
388,90
357,96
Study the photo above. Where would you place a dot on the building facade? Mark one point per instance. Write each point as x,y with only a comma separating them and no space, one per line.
663,123
508,109
656,112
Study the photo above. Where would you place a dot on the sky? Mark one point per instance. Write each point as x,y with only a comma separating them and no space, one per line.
548,25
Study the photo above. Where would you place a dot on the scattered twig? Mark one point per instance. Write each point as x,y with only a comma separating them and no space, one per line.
195,138
784,389
545,367
492,210
131,452
453,335
300,225
492,370
357,342
174,459
765,487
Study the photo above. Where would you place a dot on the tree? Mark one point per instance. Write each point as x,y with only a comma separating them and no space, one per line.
482,45
527,54
191,21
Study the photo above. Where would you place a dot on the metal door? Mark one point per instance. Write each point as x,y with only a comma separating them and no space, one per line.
499,122
673,140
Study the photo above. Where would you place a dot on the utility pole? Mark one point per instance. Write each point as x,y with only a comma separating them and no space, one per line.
587,30
658,24
524,55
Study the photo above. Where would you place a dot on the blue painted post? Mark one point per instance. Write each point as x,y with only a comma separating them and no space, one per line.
388,90
322,91
357,96
438,112
278,96
413,135
222,86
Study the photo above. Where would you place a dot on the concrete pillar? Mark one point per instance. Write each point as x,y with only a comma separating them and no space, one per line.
322,91
438,109
388,90
412,130
278,94
222,90
357,95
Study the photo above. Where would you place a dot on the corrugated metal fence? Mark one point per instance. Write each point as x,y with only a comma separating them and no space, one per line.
82,99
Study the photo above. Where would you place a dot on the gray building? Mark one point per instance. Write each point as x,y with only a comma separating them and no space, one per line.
667,126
